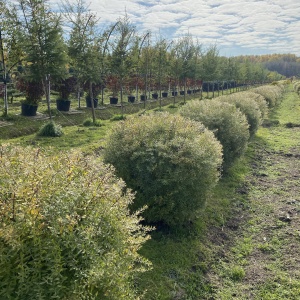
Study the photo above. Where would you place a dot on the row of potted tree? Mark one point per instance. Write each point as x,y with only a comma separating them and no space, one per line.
37,57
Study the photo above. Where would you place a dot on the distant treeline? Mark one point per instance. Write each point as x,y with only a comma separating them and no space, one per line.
285,64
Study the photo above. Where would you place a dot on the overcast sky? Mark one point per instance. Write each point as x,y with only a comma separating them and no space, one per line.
236,26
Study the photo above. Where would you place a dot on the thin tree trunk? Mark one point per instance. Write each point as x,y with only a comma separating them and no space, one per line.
46,84
92,102
184,96
4,77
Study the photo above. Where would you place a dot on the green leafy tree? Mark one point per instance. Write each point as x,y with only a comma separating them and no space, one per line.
122,53
85,47
45,55
10,49
185,54
210,63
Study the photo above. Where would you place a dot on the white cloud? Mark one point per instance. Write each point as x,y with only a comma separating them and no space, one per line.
262,26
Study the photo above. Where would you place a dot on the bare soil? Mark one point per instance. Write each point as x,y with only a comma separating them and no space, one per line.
263,236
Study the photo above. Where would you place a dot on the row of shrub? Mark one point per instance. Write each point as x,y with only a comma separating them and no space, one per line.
172,162
70,229
297,87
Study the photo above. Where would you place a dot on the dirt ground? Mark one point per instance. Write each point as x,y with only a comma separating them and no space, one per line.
259,247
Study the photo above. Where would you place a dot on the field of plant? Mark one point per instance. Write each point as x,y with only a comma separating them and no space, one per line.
188,227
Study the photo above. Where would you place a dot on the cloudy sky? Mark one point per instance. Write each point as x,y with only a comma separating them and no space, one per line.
235,26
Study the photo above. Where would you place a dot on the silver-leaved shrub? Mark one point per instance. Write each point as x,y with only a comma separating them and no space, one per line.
228,123
171,162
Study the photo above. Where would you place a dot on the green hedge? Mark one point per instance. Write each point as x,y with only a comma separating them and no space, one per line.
247,106
169,161
227,122
259,99
272,93
297,87
65,229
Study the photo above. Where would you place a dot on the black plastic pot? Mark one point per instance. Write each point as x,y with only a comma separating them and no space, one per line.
131,99
174,93
63,105
155,96
181,93
189,92
164,94
113,100
89,103
143,98
28,110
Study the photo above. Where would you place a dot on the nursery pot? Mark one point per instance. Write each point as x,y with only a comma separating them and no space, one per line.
113,100
131,99
89,103
155,96
63,105
181,93
164,94
28,110
143,98
174,93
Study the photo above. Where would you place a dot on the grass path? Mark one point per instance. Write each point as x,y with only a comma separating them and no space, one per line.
261,245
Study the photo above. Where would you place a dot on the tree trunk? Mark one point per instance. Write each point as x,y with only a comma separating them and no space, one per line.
4,77
92,102
46,85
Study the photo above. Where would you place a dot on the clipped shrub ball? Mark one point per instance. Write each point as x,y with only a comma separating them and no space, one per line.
50,129
296,87
65,229
248,107
259,99
272,94
228,123
172,163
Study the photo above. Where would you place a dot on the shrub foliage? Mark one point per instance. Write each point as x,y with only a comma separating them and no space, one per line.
227,122
50,129
171,162
259,99
65,229
272,93
247,106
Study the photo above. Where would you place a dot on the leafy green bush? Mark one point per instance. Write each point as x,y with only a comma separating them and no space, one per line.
272,94
65,229
228,123
117,117
89,122
50,129
247,106
259,99
297,87
171,162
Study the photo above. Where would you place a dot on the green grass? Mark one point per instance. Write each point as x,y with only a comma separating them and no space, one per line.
263,236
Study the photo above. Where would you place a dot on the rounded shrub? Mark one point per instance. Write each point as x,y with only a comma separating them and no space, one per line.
65,229
296,86
228,123
272,94
50,129
171,163
248,107
89,123
259,99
